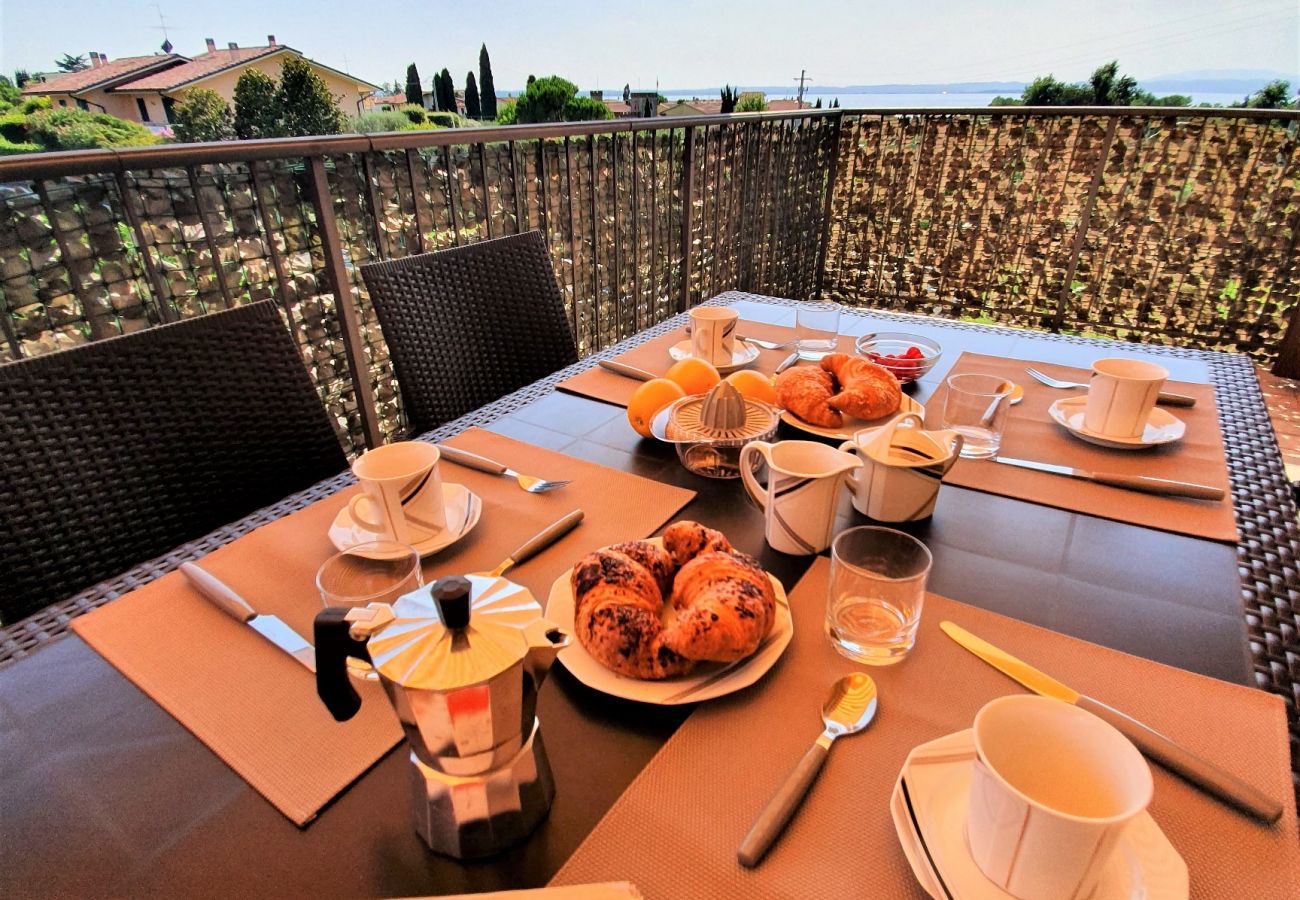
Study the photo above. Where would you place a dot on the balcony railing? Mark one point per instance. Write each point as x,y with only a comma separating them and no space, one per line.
1172,226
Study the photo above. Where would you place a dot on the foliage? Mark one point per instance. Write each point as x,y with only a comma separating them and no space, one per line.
1109,88
306,104
1105,87
21,77
472,107
754,102
445,120
487,87
544,100
391,120
818,104
1006,101
508,114
10,96
76,129
35,105
13,127
585,109
10,148
69,63
257,106
1274,95
202,116
446,92
414,92
1047,91
414,115
835,104
729,96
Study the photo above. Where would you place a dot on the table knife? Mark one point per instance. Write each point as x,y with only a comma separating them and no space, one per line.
1143,483
537,543
270,627
624,369
1173,756
788,362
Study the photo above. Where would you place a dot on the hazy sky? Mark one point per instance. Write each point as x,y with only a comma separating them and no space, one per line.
689,43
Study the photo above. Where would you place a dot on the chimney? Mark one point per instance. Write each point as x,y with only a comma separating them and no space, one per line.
212,45
597,95
233,46
94,60
270,40
103,57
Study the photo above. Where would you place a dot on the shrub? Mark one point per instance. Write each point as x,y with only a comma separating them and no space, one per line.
203,116
445,120
751,103
13,128
34,105
416,115
9,148
507,114
76,129
380,120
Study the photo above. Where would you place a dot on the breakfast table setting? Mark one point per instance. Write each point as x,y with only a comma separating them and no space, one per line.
774,599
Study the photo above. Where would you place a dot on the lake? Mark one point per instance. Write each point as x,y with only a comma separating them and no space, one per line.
913,101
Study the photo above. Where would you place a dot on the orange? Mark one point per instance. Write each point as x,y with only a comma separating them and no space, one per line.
753,385
694,375
648,399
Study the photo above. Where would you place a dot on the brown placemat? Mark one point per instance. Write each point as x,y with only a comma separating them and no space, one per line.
255,707
1031,434
675,831
601,384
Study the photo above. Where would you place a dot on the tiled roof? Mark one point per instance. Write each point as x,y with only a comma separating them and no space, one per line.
202,66
113,70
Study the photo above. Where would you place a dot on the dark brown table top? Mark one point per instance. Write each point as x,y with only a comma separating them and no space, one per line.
103,793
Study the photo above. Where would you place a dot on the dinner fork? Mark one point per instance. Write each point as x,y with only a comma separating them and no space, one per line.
1167,397
530,483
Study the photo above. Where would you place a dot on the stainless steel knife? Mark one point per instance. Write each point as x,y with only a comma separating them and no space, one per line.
788,362
1173,756
624,369
1143,483
272,628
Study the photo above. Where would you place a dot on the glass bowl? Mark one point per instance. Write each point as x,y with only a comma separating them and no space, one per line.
888,350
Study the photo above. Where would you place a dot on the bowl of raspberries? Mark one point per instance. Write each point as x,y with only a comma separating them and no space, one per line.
907,356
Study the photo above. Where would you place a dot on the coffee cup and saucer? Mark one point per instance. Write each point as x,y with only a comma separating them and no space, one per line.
1039,800
404,500
713,339
1119,410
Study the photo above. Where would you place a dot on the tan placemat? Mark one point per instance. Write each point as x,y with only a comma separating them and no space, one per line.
601,384
675,831
255,707
1031,434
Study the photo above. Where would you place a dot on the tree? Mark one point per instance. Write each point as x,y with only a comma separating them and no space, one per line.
531,79
203,116
414,92
585,109
449,90
554,99
10,96
487,87
21,77
752,102
1274,95
729,96
307,105
1109,88
835,104
472,107
508,114
258,111
627,93
818,104
1047,91
69,63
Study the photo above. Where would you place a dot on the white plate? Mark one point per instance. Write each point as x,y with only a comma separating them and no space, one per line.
741,355
463,508
929,807
1162,427
705,682
851,425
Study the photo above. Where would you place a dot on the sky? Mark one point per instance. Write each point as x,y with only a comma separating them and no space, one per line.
682,44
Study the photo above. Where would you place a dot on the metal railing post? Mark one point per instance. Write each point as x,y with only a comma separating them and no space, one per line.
332,246
688,212
1085,219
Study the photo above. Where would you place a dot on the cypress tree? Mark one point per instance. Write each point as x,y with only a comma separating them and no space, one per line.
449,89
487,96
414,93
729,97
472,108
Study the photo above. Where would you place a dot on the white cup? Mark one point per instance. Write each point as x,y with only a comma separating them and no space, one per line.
802,491
1052,790
401,497
713,334
903,465
1121,394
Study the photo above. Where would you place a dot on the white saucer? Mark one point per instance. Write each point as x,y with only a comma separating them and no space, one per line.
463,509
1162,427
929,809
742,354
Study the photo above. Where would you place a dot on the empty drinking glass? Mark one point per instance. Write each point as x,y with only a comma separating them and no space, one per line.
816,329
976,408
373,572
877,589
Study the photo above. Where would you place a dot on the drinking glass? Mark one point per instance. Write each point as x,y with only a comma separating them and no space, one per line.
816,328
976,408
373,572
877,588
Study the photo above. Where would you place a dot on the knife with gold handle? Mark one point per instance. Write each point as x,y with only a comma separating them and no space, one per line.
1173,756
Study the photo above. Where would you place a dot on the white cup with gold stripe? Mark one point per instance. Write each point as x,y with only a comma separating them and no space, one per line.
1121,395
713,334
401,492
1052,791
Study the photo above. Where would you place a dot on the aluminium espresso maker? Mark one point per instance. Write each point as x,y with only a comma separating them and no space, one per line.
462,672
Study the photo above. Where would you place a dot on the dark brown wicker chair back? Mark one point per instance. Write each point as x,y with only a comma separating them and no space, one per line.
116,451
468,325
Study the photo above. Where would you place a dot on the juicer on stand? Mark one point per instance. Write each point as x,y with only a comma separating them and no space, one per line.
462,673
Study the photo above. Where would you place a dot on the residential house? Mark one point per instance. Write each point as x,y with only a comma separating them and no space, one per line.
676,108
146,93
637,104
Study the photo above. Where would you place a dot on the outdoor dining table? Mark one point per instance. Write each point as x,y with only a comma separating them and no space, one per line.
103,793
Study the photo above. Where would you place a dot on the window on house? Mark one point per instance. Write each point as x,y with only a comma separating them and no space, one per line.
168,106
62,102
142,109
82,104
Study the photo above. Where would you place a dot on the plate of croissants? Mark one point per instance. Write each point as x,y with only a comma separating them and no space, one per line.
674,619
840,395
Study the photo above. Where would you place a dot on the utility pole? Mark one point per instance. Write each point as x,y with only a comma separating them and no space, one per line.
803,76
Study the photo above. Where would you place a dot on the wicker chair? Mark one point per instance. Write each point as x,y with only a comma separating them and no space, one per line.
468,325
115,452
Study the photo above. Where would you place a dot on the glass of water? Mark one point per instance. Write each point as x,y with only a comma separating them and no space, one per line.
373,572
816,329
877,589
976,408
